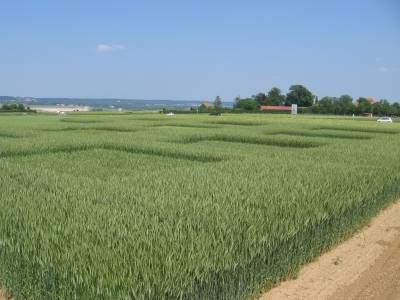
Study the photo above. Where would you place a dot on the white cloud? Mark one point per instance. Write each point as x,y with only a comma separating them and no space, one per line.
383,69
105,48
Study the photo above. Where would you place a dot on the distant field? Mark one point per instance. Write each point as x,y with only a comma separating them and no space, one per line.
148,206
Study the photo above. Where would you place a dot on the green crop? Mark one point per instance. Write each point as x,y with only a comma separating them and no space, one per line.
148,206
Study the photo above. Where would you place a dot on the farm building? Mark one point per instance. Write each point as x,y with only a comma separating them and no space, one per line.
275,108
207,104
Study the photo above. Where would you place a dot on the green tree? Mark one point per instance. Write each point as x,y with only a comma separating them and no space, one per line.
325,106
345,105
381,108
395,109
275,97
299,95
261,98
218,103
363,106
386,107
248,104
237,100
15,107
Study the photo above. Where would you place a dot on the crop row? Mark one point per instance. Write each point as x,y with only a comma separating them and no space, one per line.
253,140
128,149
331,135
360,129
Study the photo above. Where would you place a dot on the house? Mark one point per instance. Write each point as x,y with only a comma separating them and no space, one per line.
207,104
370,100
369,115
275,108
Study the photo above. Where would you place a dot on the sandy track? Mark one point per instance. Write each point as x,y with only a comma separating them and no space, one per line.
379,281
1,296
367,266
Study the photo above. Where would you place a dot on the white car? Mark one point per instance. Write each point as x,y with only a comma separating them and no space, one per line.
385,120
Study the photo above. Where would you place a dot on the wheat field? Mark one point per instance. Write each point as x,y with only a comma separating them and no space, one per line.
148,206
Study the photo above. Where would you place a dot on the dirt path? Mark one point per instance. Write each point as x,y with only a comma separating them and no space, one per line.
1,296
365,267
379,281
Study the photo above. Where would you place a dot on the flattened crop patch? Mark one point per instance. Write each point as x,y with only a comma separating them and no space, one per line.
10,135
324,135
355,129
113,129
200,126
198,157
237,123
81,121
288,143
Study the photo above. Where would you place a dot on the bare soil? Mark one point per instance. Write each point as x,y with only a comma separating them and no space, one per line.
365,267
1,296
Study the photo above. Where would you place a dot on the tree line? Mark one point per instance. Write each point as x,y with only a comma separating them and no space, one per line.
15,107
309,103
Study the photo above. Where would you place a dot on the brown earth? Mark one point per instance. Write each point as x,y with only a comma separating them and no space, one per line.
365,267
1,296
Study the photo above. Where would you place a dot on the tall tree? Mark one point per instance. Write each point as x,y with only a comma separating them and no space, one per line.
364,105
275,97
299,95
395,109
237,100
218,103
325,105
260,98
345,105
248,104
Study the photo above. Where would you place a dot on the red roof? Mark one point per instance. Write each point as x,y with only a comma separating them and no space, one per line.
275,107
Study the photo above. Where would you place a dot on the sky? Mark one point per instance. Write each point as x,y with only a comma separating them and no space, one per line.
196,50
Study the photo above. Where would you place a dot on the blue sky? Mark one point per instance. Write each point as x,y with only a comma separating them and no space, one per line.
198,49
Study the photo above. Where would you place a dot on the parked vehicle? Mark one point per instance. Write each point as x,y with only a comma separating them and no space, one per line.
385,120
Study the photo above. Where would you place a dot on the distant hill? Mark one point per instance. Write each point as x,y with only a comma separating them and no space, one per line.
130,104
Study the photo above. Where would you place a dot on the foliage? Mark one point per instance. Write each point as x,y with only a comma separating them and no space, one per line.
275,97
383,108
363,106
146,206
218,103
15,107
247,104
299,95
260,98
332,105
